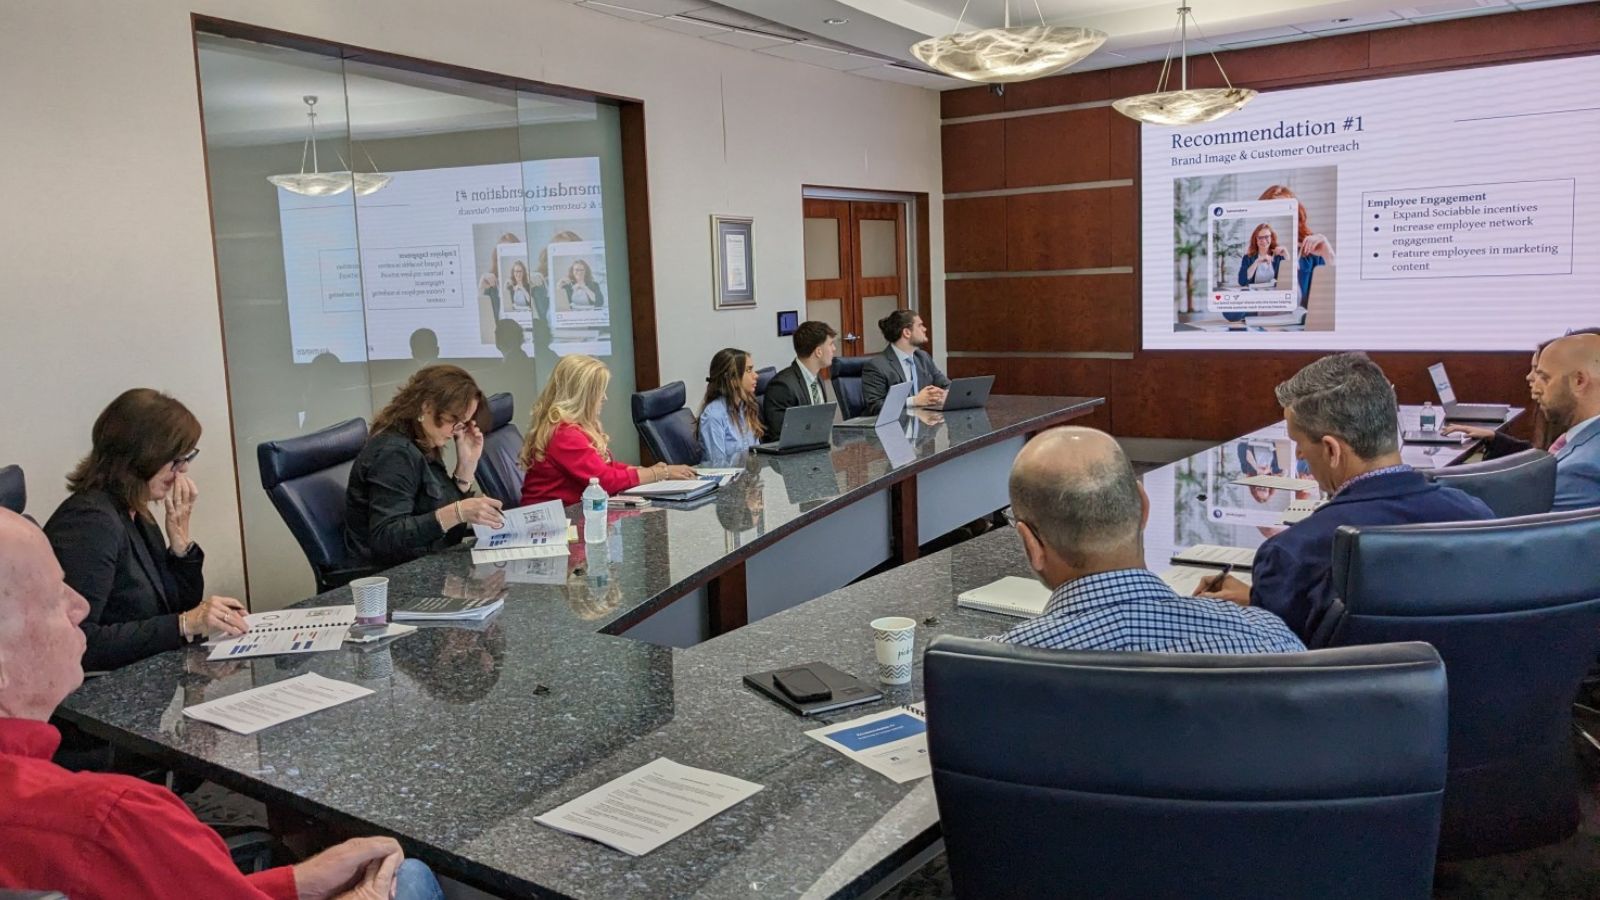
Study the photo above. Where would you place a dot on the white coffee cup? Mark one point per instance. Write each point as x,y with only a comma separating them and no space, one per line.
372,600
894,638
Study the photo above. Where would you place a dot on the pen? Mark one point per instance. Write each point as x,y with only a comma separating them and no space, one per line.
1216,583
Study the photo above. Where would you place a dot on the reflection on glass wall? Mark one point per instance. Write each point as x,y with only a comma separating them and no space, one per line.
428,219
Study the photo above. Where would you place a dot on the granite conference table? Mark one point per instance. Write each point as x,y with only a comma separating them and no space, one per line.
471,733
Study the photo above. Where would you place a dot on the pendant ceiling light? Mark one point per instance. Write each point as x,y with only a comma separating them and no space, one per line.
1184,106
1004,55
317,183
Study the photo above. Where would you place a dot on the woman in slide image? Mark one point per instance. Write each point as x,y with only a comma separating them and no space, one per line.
489,284
1315,250
401,502
146,592
566,444
1501,444
519,292
1260,265
730,420
580,288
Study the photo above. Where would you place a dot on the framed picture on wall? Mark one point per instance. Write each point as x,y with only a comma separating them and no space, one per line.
733,263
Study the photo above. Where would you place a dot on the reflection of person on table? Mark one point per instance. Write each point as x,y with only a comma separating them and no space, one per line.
1260,265
1257,459
579,288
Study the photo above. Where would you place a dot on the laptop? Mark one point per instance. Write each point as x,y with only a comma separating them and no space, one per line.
966,393
893,405
804,428
1464,412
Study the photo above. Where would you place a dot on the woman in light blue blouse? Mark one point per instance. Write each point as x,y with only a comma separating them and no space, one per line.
730,420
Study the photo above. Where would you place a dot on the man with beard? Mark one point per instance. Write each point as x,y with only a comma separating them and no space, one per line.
1570,372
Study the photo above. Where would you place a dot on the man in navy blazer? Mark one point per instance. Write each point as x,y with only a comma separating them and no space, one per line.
1344,420
1570,371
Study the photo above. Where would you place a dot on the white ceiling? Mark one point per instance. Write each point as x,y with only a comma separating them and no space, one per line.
876,36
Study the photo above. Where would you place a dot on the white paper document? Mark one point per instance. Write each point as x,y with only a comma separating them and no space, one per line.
1184,579
247,712
535,525
507,554
550,570
722,476
287,631
893,743
1215,555
649,806
1278,483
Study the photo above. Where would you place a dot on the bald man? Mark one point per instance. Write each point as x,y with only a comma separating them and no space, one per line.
1569,376
92,835
1080,514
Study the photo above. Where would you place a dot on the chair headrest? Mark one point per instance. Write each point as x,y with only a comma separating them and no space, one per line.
501,409
764,376
1523,460
13,489
849,366
291,458
657,402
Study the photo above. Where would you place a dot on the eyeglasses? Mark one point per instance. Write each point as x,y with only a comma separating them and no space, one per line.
182,463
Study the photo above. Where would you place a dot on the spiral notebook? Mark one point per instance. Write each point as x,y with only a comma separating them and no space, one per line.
1024,598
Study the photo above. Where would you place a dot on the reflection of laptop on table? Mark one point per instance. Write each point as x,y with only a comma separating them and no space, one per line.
893,405
966,393
1464,412
804,428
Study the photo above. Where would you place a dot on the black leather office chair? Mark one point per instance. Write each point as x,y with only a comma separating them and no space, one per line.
667,425
1513,606
1154,775
306,478
846,378
1522,484
13,489
764,376
499,474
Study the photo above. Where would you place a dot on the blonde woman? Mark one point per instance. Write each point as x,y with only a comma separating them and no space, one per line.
566,445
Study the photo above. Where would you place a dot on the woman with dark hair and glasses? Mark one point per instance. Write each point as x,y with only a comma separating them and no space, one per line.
402,502
145,591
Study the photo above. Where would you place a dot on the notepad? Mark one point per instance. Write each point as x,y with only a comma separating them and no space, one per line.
1184,579
1277,483
287,631
1024,598
1216,556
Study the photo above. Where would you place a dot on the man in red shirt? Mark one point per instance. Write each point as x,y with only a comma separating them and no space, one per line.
91,835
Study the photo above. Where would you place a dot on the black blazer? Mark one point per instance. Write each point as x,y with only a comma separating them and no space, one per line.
393,494
787,388
884,370
135,585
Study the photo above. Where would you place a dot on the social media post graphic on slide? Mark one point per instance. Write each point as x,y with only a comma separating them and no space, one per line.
454,260
1238,504
1455,210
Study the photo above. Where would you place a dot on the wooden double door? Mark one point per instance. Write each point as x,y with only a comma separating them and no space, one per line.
855,262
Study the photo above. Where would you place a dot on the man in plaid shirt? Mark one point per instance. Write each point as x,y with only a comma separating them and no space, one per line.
1081,513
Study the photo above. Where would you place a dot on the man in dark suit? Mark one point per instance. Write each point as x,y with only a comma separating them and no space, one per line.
800,384
904,359
1344,420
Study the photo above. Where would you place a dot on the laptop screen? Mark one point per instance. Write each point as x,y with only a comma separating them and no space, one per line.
1441,383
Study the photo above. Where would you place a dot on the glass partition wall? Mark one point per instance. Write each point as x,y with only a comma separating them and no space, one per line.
409,219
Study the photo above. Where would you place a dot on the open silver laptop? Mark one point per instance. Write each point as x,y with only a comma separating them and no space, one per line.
804,428
893,405
1463,412
966,393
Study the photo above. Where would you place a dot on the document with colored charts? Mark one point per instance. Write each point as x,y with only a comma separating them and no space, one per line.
893,743
529,532
287,631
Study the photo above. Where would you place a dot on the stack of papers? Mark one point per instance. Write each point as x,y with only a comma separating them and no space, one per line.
529,532
247,712
894,743
287,631
649,806
436,609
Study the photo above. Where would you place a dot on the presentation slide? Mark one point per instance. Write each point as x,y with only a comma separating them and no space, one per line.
460,263
1447,211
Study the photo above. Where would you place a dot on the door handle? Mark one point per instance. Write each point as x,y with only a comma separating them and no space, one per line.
852,337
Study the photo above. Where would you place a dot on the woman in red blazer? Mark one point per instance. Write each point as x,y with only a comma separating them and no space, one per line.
566,446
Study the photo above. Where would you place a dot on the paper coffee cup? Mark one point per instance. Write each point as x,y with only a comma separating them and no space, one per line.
372,600
894,639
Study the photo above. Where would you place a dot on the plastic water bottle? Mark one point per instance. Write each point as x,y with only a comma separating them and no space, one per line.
1430,419
594,513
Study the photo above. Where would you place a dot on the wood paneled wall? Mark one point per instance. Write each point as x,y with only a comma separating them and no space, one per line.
1042,231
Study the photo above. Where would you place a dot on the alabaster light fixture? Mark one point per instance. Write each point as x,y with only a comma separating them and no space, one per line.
1184,106
317,183
1004,55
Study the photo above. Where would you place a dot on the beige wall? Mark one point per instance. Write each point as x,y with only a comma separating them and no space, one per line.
106,278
